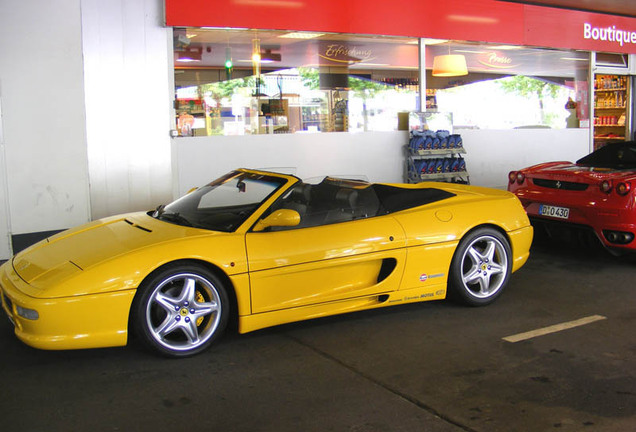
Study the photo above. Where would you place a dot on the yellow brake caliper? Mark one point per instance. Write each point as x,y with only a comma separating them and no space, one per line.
199,299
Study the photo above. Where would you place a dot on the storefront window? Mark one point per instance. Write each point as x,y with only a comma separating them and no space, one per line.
238,82
512,87
233,82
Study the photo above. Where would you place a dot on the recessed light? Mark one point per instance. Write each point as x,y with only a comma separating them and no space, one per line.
301,35
428,41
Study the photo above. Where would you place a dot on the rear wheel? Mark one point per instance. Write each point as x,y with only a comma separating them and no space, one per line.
181,310
481,267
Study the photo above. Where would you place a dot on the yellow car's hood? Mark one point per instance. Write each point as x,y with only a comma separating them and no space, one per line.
70,252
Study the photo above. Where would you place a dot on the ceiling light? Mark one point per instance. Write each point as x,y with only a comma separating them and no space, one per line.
505,47
449,65
473,19
301,35
225,28
428,41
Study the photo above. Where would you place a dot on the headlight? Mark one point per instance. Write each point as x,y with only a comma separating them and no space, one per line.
29,314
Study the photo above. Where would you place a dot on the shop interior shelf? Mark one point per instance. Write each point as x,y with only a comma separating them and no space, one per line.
435,152
444,176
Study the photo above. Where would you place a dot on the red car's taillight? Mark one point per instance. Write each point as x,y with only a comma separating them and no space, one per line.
623,188
606,186
516,176
520,177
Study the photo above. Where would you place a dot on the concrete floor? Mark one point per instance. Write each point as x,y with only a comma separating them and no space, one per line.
429,367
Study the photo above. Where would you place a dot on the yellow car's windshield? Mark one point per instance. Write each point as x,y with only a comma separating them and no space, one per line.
222,205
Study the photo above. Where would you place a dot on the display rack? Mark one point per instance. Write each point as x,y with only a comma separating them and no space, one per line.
611,108
434,156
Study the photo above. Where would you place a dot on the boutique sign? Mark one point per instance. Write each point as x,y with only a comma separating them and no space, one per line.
609,34
580,30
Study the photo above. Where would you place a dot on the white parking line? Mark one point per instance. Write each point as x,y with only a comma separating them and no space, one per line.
553,329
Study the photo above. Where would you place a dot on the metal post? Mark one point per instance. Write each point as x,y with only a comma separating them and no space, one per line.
422,72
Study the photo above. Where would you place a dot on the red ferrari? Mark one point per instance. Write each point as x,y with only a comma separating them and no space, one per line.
595,194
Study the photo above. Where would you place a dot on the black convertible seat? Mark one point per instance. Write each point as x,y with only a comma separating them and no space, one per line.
367,203
343,206
299,199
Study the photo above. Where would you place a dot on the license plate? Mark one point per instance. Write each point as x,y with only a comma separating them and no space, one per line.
553,211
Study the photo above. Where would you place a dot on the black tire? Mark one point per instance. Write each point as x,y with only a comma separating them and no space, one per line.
480,268
180,310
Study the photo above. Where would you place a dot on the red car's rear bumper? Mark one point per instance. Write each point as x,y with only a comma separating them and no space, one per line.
612,220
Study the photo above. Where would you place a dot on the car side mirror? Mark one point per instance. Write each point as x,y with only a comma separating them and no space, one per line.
280,218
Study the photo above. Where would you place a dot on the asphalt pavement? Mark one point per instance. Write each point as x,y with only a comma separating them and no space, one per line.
433,367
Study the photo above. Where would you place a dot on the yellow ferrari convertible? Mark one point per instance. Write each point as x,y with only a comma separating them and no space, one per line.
266,249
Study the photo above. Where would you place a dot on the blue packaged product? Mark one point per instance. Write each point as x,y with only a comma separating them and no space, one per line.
424,169
443,136
420,166
413,143
430,168
447,165
462,164
419,143
439,165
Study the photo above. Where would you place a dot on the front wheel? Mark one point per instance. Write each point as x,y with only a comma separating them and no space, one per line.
181,310
480,267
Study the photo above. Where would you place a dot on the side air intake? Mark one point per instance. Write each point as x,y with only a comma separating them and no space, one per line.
388,265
